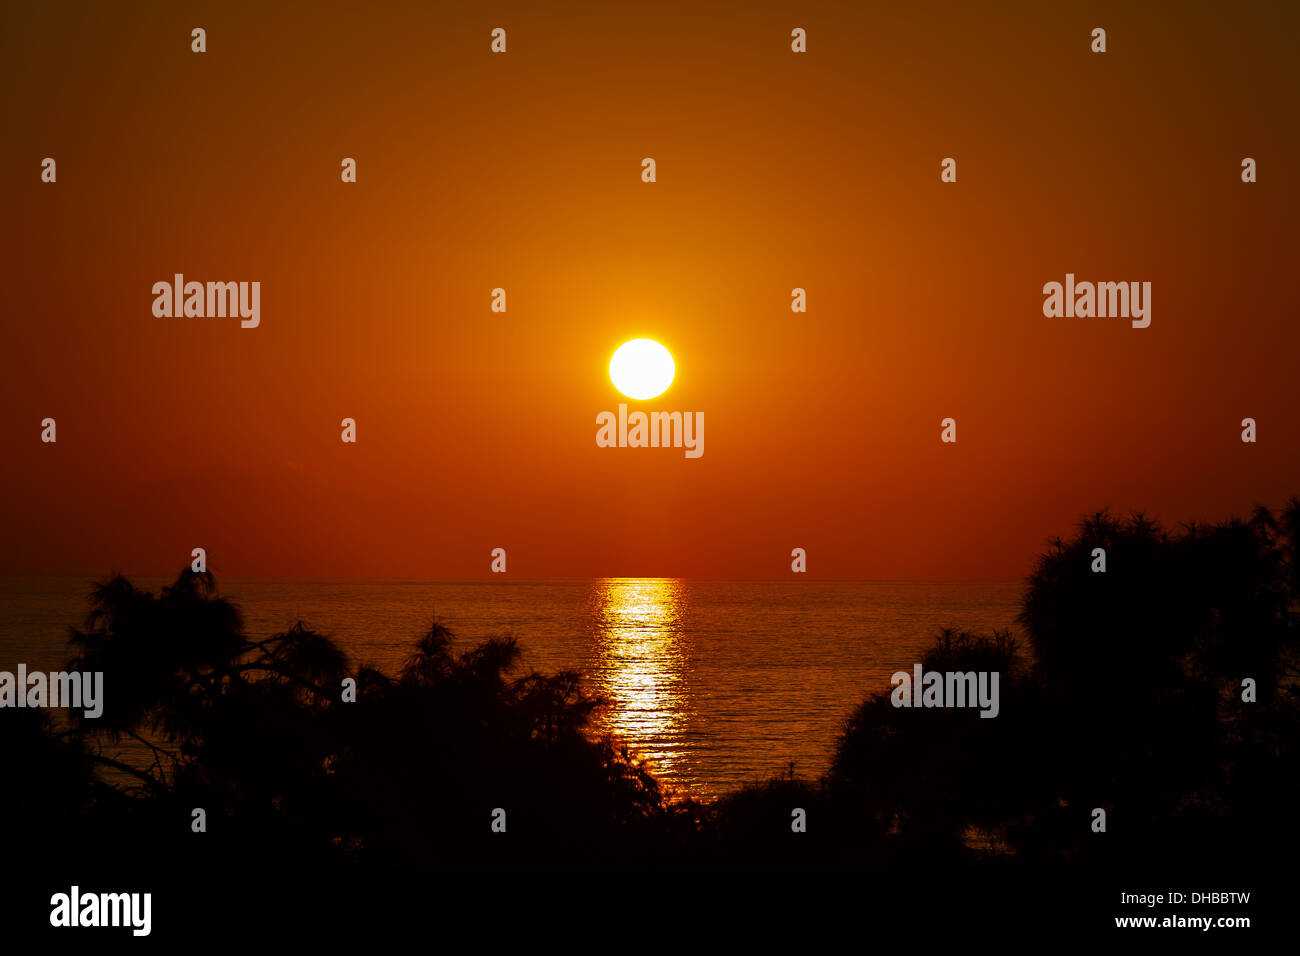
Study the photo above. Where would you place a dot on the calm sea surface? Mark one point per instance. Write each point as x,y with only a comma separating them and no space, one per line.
717,683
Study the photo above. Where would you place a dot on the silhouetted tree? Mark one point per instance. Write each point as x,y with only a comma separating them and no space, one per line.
1126,695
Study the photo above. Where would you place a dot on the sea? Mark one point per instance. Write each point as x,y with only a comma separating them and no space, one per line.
716,683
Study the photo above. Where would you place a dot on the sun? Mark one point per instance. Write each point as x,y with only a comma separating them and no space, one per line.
641,369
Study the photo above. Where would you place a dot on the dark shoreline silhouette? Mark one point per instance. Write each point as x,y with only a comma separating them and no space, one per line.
1127,696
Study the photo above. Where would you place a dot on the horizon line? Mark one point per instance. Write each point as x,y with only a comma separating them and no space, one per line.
497,579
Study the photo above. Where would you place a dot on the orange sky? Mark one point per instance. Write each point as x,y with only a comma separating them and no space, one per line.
775,170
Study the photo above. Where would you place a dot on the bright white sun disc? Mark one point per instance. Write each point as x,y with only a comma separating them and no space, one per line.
641,369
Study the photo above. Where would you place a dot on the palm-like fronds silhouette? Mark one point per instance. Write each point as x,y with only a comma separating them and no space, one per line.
1126,693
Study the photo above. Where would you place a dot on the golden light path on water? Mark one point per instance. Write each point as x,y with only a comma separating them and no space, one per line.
641,667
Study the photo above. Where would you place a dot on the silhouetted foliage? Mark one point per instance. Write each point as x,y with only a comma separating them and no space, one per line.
1126,695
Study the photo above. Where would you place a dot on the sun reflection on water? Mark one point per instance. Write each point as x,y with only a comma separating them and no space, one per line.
640,668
